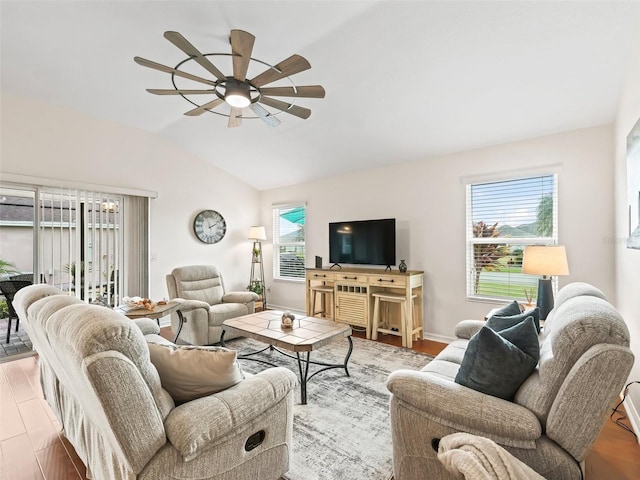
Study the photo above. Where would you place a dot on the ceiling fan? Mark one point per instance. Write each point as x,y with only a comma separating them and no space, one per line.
233,94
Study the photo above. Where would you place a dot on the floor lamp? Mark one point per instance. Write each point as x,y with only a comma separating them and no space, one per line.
257,234
546,261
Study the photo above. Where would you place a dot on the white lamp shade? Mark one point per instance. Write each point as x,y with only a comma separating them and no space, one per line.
257,233
548,260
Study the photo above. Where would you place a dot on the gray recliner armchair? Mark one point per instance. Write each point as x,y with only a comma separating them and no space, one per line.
556,414
205,303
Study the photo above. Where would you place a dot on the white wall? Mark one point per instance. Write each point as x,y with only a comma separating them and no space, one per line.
627,260
427,198
18,241
44,140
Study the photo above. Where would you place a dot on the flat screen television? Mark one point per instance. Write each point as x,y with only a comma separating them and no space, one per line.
363,242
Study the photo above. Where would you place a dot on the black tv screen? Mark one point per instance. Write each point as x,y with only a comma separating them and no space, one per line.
365,242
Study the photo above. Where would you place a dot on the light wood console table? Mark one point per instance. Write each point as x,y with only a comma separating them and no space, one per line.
353,289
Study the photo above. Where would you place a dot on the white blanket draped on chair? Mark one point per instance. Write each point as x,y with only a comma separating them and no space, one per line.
472,457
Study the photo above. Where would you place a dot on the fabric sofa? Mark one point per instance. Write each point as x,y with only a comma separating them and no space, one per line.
96,375
205,303
554,417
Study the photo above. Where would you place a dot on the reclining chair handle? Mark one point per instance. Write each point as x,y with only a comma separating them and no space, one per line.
254,441
435,444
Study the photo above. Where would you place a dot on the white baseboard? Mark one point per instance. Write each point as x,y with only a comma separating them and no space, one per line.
634,418
438,338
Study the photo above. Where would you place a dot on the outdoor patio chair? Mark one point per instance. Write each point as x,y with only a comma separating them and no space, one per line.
9,289
27,276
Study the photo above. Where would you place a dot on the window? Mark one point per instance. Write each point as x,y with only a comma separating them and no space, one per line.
289,241
502,218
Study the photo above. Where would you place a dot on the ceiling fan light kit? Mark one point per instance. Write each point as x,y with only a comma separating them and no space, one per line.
232,95
237,94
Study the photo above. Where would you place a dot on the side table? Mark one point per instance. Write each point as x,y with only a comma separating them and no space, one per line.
156,314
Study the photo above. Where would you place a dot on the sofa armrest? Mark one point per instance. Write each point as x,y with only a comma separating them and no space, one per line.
203,423
240,297
504,422
147,326
188,305
468,328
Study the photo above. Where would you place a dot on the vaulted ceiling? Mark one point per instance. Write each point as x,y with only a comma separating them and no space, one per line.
404,80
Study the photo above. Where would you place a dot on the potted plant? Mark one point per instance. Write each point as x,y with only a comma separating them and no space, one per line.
7,268
528,292
256,287
70,268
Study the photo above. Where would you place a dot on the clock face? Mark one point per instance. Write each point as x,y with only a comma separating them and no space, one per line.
209,226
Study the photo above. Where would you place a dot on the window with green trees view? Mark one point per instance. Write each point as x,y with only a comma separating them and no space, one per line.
289,241
502,218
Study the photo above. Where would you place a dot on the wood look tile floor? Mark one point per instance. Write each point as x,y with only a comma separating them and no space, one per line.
32,446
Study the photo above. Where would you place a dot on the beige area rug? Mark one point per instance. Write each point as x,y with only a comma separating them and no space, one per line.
343,433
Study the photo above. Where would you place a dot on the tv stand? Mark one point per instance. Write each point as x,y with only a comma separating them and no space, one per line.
353,290
335,265
388,269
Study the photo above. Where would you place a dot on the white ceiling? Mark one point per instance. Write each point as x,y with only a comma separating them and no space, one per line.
405,80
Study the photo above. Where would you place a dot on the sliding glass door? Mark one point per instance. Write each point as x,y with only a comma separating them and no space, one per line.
80,242
89,243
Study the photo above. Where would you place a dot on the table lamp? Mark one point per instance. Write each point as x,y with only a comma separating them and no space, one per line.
546,261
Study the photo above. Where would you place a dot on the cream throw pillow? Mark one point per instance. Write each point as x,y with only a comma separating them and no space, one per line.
189,372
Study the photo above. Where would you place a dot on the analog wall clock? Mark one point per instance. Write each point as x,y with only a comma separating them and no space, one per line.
209,226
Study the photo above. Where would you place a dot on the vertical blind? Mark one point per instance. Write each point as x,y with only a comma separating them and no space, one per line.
289,241
81,242
502,218
136,252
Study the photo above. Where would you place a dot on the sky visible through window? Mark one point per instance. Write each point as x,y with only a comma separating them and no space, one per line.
290,223
287,227
513,202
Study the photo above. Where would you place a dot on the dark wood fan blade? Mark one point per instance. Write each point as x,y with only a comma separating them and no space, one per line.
293,64
286,107
241,47
264,115
164,68
169,91
203,108
309,91
184,45
234,117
